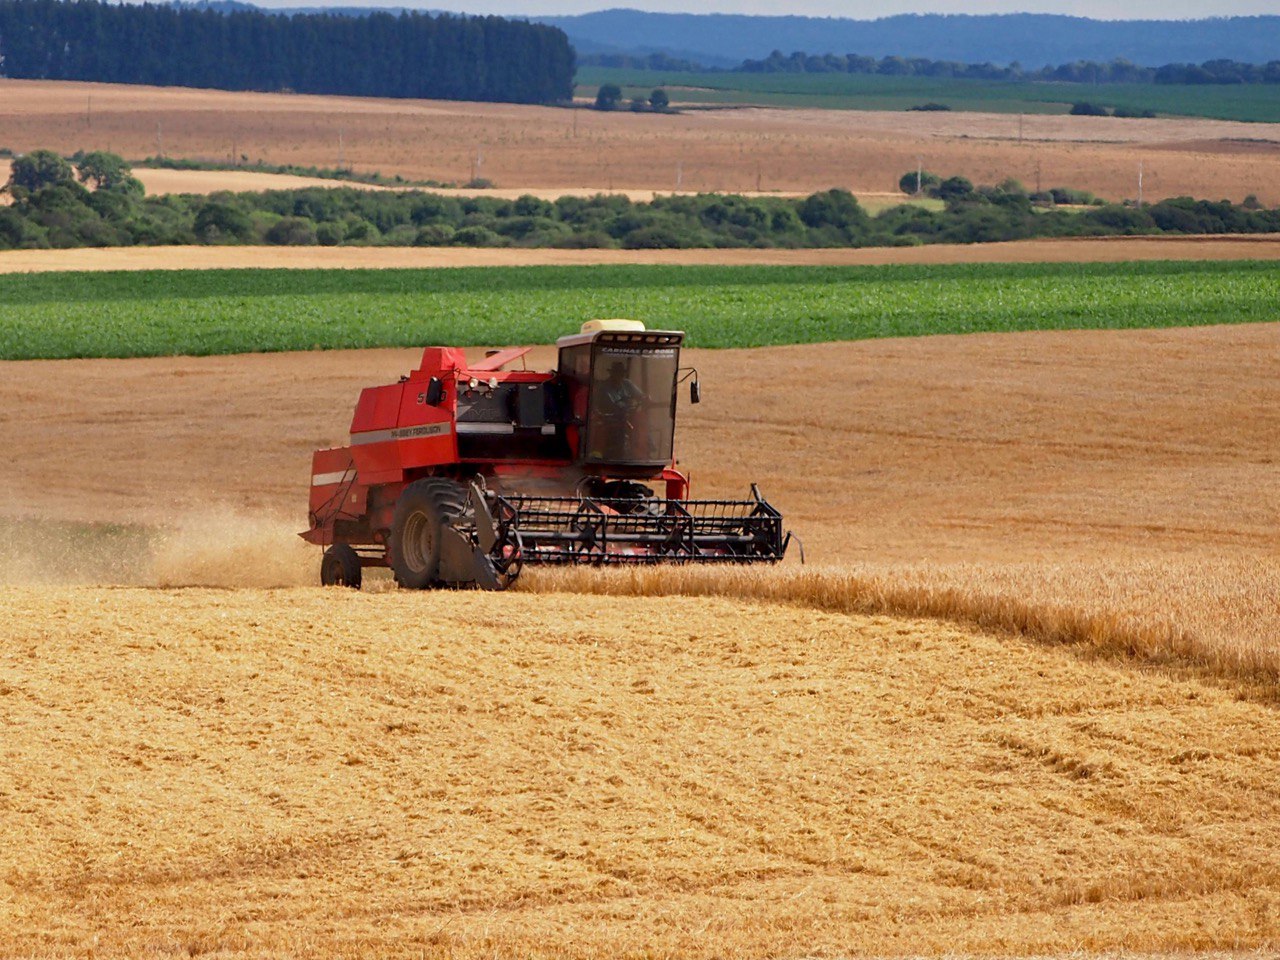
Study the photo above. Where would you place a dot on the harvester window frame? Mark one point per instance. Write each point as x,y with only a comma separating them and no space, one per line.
646,344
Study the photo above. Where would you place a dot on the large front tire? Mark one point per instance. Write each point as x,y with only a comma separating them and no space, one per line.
423,511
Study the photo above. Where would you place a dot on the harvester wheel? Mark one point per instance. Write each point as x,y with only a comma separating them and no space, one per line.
340,567
422,512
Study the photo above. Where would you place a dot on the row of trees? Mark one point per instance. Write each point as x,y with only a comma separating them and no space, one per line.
410,55
628,61
97,203
1081,71
609,97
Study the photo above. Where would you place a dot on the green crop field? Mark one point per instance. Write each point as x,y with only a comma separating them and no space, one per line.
845,91
235,311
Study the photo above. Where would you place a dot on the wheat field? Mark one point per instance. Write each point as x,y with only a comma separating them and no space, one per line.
1021,701
1074,250
321,773
721,151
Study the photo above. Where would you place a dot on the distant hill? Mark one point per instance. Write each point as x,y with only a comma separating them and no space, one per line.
1031,39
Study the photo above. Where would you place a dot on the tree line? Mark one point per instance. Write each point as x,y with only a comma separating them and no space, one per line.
409,55
1081,71
95,201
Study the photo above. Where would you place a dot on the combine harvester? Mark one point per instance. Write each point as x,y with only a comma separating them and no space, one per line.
460,474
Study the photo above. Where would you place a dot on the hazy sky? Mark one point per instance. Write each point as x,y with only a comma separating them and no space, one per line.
864,10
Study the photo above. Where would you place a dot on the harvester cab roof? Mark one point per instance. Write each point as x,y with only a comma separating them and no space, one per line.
462,472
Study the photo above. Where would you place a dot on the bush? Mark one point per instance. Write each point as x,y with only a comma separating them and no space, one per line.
919,182
659,236
220,222
1123,220
360,231
291,232
659,100
1084,109
330,234
1072,198
1133,113
15,231
434,235
108,171
834,208
929,107
608,97
955,188
585,240
38,170
477,237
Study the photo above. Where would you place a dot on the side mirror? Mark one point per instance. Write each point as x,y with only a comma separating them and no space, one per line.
695,392
435,391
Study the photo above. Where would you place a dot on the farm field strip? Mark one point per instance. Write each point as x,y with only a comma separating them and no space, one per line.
844,91
308,771
1023,703
215,312
724,151
164,181
1064,250
1110,488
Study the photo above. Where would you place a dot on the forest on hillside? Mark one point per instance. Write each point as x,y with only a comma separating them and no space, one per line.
381,55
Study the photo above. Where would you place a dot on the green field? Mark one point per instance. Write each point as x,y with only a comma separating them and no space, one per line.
159,313
845,91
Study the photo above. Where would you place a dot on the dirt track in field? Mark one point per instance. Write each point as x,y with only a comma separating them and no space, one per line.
1083,250
730,150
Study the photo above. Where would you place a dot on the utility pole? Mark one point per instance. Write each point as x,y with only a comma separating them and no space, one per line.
159,140
1139,183
88,111
679,173
758,176
339,148
919,175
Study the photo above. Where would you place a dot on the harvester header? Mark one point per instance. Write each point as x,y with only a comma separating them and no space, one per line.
460,473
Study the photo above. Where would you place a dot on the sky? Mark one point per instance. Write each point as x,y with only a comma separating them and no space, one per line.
861,10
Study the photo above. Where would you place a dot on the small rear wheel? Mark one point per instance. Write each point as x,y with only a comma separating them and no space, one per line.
340,567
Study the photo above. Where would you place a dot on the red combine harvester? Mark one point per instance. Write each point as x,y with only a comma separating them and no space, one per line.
462,473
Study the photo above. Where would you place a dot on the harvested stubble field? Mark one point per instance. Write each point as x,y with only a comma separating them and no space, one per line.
1077,750
311,773
1069,250
731,150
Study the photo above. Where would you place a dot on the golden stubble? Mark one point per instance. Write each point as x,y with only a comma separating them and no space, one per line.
721,150
1068,250
252,773
1021,701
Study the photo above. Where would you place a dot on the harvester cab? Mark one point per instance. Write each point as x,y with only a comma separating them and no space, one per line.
460,474
619,383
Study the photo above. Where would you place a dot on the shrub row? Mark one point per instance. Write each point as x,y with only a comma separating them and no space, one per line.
51,208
